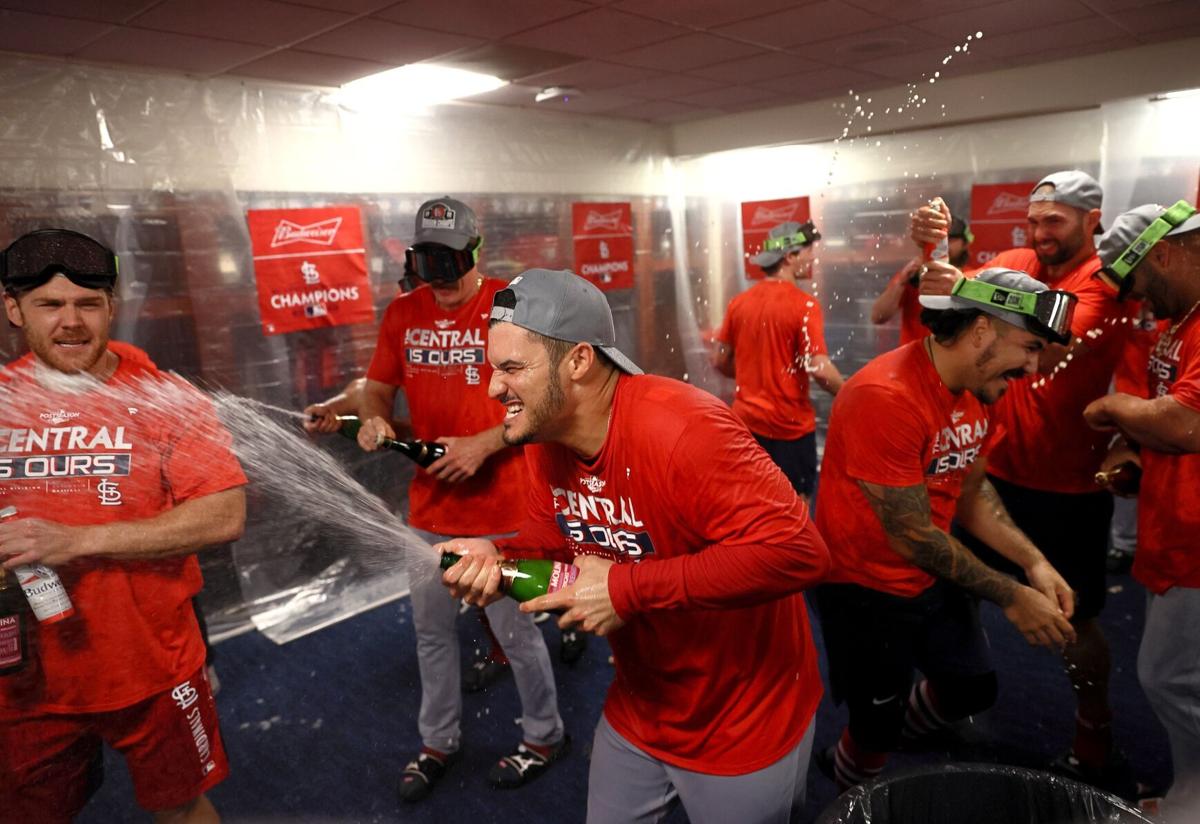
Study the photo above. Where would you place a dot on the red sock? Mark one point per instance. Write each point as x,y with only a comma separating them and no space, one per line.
1093,740
853,765
544,750
440,756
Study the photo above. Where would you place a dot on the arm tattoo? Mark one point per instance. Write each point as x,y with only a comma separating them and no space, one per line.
991,499
905,515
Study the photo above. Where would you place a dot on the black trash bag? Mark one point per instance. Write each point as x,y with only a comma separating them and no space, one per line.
978,794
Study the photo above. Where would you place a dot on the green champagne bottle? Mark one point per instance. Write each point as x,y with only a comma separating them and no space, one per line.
526,578
423,452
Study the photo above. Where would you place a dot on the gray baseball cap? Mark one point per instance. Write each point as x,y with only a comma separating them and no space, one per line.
1012,301
562,305
1073,187
446,221
784,238
1129,227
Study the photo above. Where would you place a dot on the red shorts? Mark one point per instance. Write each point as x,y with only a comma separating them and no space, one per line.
170,741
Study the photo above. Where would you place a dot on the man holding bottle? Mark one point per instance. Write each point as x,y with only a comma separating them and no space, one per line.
1153,254
143,478
432,345
692,550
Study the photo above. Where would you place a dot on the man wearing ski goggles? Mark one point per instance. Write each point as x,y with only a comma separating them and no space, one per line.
32,259
1118,270
1047,314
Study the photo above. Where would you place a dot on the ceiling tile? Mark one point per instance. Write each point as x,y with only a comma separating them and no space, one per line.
803,24
854,50
917,9
489,19
347,6
111,11
702,13
1104,6
684,115
1003,18
1173,33
1063,51
823,83
760,67
507,61
167,50
385,42
668,85
688,52
597,33
42,34
916,66
728,96
246,21
1161,17
590,74
654,110
1064,36
293,66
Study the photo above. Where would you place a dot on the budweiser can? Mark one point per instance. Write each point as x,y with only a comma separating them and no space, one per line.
43,588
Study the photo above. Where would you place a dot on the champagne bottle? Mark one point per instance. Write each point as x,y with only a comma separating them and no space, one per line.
14,633
43,588
1125,478
524,578
939,251
423,452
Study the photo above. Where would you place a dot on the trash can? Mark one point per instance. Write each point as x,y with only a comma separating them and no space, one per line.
978,794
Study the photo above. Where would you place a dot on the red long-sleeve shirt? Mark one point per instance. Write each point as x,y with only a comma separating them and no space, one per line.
716,670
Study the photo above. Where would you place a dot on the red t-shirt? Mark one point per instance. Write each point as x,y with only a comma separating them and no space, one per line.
775,329
1047,445
1130,375
716,670
440,359
894,424
92,457
1168,550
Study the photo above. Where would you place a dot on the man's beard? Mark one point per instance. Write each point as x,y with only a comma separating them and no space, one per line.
538,416
1068,249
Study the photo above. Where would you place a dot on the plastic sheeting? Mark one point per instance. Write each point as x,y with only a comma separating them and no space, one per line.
980,794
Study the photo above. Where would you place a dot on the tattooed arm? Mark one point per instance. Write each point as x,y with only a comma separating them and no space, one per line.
905,515
982,513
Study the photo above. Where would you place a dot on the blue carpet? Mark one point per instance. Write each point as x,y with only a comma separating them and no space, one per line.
318,730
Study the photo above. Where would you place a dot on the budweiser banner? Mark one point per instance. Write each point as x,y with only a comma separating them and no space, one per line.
758,216
998,219
603,235
310,267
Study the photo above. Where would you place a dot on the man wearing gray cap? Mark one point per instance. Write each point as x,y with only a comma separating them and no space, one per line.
1153,253
905,588
772,340
431,345
1044,469
692,550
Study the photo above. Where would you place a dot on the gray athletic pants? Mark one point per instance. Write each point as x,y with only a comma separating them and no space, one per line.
629,786
434,614
1169,671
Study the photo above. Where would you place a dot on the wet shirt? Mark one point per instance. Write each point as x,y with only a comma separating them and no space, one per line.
439,357
144,444
711,676
1047,445
894,424
1168,550
1130,375
775,330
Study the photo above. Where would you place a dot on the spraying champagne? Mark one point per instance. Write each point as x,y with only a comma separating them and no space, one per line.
939,251
523,579
423,452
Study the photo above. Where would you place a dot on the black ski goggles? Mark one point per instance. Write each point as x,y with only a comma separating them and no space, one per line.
1045,313
1119,273
32,259
435,263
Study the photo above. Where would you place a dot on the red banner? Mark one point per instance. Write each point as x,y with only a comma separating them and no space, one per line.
758,216
310,267
998,219
603,235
